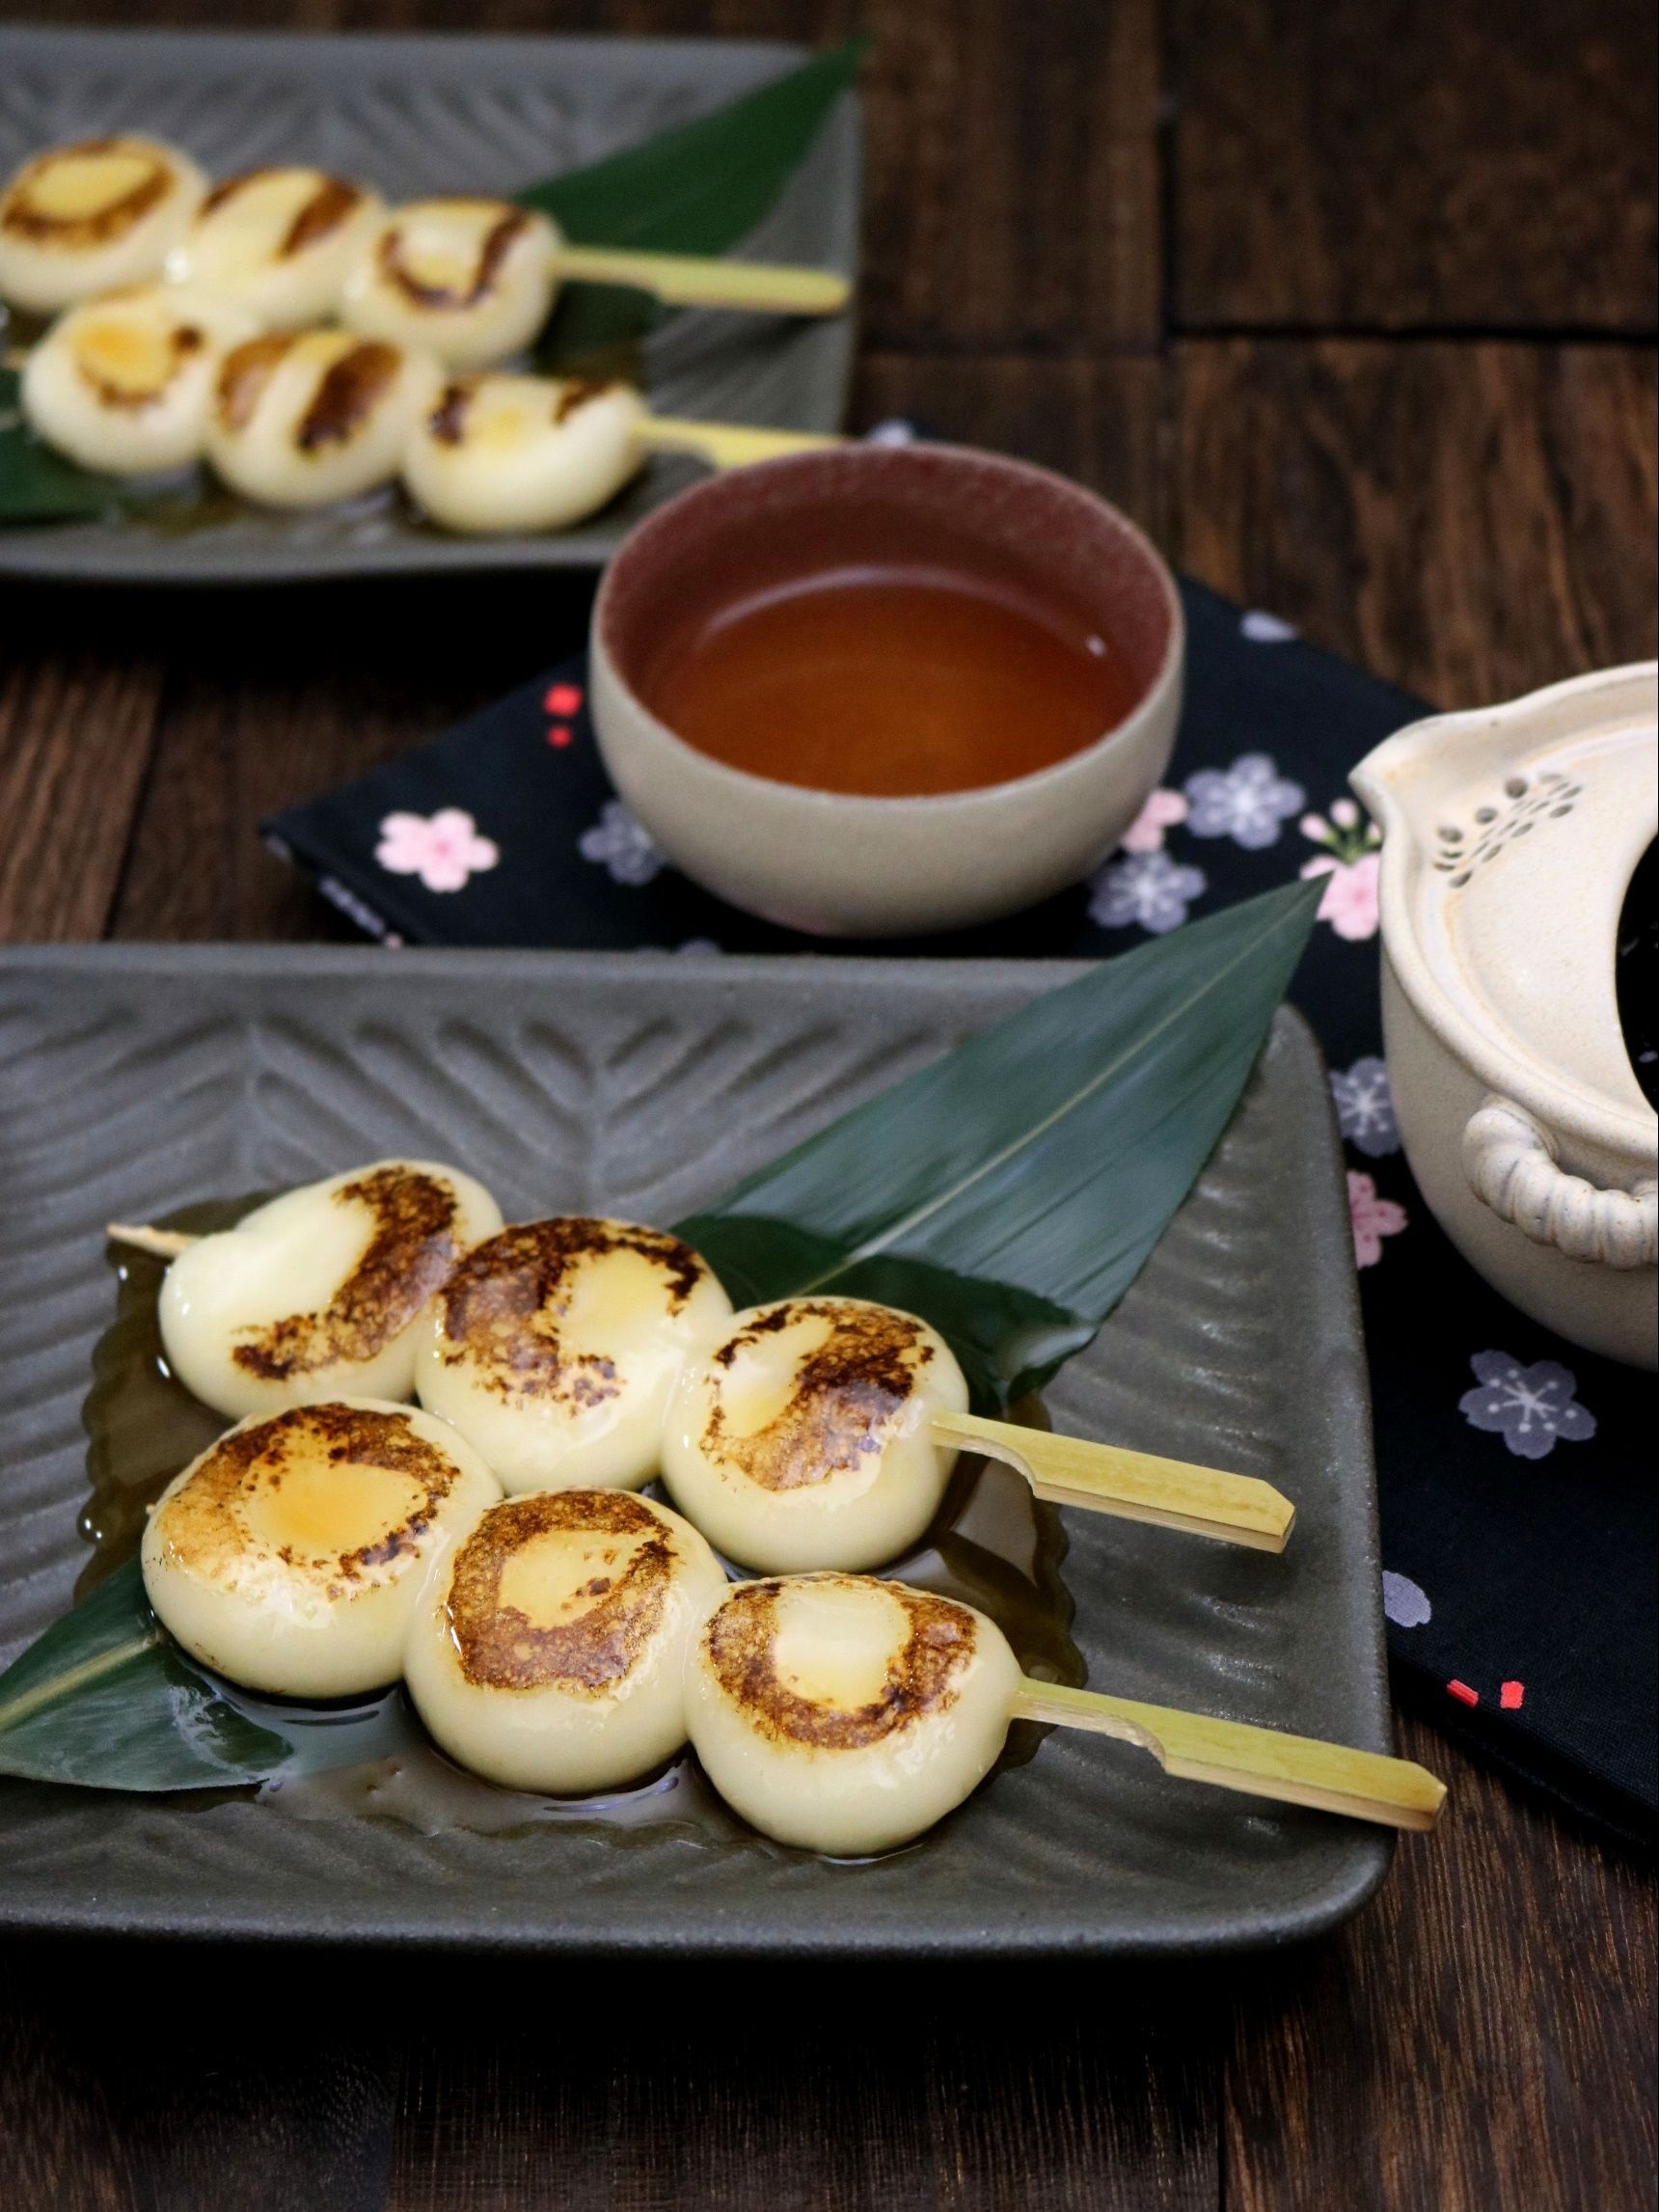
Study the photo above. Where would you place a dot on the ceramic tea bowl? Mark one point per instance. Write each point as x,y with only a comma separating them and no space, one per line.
1510,838
849,865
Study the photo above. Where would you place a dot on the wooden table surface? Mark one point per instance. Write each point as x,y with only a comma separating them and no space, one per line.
1354,305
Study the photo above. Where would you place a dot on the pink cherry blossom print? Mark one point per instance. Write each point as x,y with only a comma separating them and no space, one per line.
1162,811
1532,1408
1350,903
1350,860
1373,1219
444,850
562,701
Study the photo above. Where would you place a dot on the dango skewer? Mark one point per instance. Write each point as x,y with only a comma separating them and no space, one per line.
495,452
473,280
293,1554
317,1292
822,1433
847,1715
548,1651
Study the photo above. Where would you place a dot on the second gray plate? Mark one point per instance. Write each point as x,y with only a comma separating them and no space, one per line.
417,116
134,1080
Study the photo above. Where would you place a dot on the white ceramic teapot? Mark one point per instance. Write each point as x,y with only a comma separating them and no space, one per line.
1510,838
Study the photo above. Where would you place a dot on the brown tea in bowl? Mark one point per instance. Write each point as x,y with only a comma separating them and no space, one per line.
891,680
854,691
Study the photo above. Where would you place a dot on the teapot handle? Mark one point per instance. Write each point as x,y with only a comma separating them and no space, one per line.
1511,1161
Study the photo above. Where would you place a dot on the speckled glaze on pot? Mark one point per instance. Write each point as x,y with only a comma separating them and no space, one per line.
1510,835
854,866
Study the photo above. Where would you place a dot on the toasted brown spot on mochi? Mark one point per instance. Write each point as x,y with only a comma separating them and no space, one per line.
447,420
229,187
847,1391
327,208
497,244
98,225
202,1526
502,1648
410,1252
503,1305
577,392
243,374
922,1678
349,393
329,204
183,341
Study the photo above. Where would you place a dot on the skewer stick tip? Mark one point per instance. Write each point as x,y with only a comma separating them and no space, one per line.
161,1243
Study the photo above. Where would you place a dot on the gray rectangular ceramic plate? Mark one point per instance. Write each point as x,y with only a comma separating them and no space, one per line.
133,1080
417,116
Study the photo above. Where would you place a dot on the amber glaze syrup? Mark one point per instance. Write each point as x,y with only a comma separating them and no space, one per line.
890,682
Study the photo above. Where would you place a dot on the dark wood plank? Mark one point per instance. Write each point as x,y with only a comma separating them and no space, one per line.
190,2081
285,694
79,697
1099,419
1470,520
1369,166
791,2090
1484,2038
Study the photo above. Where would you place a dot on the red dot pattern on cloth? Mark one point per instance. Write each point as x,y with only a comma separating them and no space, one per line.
1512,1696
562,698
1463,1693
560,735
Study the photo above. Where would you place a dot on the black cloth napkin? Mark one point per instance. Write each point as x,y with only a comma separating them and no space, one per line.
1518,1505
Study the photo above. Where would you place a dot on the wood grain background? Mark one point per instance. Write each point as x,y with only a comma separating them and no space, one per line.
1352,302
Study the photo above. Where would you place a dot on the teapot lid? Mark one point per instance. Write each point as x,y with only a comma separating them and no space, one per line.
1510,837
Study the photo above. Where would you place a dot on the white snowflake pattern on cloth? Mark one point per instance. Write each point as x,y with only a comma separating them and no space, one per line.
1531,1408
1149,888
1404,1601
1265,629
1364,1107
1247,801
618,843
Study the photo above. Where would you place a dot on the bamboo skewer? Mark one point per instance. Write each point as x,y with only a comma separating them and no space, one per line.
1132,1486
162,1244
726,445
689,280
1258,1762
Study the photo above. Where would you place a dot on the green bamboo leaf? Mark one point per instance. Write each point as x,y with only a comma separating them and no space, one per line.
106,1697
696,189
36,483
1010,1192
